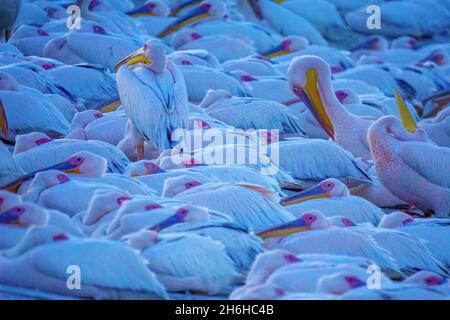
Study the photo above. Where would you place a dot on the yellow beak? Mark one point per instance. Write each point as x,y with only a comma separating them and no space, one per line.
314,103
407,119
134,58
3,121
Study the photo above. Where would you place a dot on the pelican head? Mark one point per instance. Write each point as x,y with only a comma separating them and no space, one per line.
310,220
287,45
83,163
425,278
150,56
144,168
373,43
8,199
438,57
395,220
142,239
176,185
340,221
55,12
214,95
37,235
265,291
25,142
404,42
310,79
24,214
328,188
151,8
82,119
341,282
8,83
184,36
267,262
188,213
347,96
103,203
211,9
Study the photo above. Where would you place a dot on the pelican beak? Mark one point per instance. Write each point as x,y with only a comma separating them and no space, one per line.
279,50
8,217
3,121
109,105
173,219
196,14
298,225
407,119
310,95
143,11
134,58
315,192
185,5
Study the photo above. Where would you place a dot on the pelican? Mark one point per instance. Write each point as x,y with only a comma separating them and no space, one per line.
222,46
93,125
287,22
241,112
395,293
153,93
31,40
252,65
325,239
8,15
207,269
433,231
47,252
101,210
195,58
57,151
396,151
94,48
397,243
257,200
15,101
332,198
310,79
315,160
401,11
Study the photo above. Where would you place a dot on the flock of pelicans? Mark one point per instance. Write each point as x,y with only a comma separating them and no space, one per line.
357,208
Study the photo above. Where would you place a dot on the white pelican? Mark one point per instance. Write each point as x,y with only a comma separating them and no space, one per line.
16,101
261,209
101,210
81,47
152,17
332,198
433,18
325,239
413,170
419,257
57,151
206,269
195,57
253,66
47,252
31,40
94,85
222,46
316,160
438,128
93,125
8,15
251,113
30,14
154,96
399,292
433,231
287,22
310,79
201,79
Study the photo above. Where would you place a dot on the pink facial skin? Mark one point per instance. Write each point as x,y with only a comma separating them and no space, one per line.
327,186
347,222
98,30
182,213
76,161
153,206
195,36
42,33
407,221
62,178
186,63
335,69
43,141
434,281
60,237
353,282
341,95
192,184
309,219
290,258
247,78
121,200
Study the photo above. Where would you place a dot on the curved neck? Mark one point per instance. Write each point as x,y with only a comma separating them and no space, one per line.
335,110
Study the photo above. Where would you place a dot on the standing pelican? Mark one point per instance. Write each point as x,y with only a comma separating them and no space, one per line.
413,170
153,93
310,79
